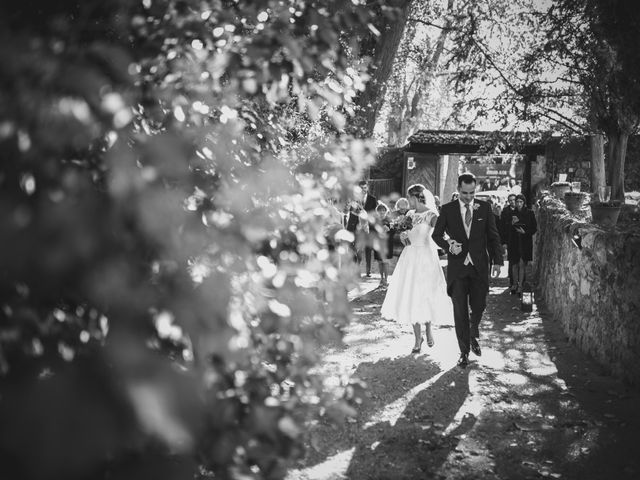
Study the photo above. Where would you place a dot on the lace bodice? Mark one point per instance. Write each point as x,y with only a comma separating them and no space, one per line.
420,233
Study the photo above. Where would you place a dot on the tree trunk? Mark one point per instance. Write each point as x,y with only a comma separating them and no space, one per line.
370,101
443,167
414,115
451,182
526,178
612,143
616,166
598,173
397,106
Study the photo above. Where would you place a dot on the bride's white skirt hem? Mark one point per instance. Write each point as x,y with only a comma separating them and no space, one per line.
417,291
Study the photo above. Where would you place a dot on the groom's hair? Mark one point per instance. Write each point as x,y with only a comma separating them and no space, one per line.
466,178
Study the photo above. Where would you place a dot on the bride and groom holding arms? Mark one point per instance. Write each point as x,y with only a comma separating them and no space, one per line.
465,228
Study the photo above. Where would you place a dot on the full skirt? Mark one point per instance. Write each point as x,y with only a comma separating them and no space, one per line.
417,291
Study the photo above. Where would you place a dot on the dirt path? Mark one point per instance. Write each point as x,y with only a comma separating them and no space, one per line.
531,407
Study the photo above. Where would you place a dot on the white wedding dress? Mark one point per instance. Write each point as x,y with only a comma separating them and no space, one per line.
417,290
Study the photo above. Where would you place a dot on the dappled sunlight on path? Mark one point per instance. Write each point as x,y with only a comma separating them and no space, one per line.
531,406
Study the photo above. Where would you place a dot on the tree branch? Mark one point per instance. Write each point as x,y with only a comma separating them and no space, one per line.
425,22
565,120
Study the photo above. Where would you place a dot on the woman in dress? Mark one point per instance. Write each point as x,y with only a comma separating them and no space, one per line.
520,246
417,291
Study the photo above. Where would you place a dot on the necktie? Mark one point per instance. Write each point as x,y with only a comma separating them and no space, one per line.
467,215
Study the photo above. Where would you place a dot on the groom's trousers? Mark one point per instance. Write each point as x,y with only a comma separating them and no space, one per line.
468,291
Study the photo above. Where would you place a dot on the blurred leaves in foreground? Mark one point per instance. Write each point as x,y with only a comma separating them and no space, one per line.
165,279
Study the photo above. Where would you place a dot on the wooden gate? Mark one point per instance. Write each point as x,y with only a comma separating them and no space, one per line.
380,187
421,168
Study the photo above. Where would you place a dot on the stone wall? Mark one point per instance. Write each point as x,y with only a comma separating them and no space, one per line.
632,165
594,291
572,156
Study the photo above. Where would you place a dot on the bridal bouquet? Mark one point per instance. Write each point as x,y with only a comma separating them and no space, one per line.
401,224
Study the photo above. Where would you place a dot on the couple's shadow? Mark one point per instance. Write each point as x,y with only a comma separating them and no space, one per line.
399,431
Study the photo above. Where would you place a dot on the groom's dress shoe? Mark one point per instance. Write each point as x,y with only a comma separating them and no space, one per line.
475,347
463,361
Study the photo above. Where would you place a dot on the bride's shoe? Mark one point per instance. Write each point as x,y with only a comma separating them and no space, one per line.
417,350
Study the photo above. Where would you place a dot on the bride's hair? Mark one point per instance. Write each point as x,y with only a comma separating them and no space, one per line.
417,191
424,196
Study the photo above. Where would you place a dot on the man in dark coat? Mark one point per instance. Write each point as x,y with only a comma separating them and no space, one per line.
369,204
505,231
351,221
473,242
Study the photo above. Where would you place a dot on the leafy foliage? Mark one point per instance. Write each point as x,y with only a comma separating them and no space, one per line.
555,65
165,282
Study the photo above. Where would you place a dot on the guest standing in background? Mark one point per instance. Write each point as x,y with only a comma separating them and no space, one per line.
369,203
400,209
352,224
504,227
381,254
523,227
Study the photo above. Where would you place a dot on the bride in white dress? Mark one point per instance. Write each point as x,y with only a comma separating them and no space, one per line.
417,291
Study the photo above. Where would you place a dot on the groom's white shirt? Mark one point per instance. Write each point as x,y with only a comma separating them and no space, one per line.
467,229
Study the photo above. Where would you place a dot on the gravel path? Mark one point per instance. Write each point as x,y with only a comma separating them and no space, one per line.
532,406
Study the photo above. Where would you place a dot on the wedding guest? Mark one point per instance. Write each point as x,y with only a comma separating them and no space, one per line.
369,203
352,224
335,213
382,255
523,227
496,209
517,188
400,209
454,196
335,223
504,228
401,206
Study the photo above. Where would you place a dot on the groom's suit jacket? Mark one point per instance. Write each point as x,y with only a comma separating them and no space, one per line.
483,243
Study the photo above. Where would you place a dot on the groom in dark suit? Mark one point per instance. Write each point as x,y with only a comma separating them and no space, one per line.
473,241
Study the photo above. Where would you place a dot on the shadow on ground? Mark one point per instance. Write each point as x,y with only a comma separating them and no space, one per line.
531,407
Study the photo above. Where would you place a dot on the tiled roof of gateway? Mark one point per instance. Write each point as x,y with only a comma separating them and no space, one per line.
477,137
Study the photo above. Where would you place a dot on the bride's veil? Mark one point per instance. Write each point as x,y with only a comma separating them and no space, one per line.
430,201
